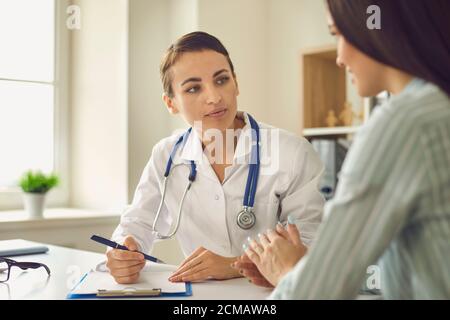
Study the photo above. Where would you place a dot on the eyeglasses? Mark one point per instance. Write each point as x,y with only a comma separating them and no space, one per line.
7,264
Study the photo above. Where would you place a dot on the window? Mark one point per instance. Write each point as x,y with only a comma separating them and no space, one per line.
30,91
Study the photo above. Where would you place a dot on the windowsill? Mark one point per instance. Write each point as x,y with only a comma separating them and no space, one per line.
56,217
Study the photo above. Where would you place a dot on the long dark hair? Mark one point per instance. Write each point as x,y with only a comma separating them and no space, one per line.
414,35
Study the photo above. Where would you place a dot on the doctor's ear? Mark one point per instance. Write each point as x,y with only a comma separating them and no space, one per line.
170,104
237,85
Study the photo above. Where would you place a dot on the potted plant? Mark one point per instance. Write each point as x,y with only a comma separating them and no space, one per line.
35,186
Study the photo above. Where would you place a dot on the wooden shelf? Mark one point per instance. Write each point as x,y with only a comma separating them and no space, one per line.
312,132
323,87
325,99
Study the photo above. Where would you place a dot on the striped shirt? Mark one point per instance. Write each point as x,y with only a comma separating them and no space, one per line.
392,206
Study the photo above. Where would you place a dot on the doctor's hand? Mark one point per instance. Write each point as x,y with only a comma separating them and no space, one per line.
202,265
277,252
125,265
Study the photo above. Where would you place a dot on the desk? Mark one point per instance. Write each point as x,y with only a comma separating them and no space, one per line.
68,265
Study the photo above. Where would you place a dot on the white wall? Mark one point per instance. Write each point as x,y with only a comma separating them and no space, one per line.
99,105
242,26
294,25
183,17
148,119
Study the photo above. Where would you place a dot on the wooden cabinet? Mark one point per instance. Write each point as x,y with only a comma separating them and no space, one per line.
324,94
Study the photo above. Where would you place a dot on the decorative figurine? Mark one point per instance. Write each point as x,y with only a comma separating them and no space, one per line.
331,119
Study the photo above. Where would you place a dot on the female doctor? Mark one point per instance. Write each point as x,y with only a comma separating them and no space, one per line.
224,180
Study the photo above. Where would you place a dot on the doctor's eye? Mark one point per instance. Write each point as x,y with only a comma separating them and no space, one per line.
222,80
193,89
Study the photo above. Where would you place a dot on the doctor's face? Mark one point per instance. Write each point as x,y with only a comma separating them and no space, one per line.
204,89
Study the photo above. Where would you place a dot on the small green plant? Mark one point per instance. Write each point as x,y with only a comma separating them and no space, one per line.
37,182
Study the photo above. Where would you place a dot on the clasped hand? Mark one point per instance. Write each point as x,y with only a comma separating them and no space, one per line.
266,261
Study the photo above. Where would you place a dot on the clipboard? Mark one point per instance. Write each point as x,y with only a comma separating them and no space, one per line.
129,291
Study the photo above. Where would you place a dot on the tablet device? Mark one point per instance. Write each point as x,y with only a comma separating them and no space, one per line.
11,248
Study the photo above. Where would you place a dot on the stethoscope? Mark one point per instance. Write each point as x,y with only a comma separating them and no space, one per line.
246,218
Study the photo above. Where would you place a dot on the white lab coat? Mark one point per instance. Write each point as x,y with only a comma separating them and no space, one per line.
287,185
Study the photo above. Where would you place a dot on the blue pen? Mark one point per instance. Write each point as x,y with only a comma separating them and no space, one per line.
115,245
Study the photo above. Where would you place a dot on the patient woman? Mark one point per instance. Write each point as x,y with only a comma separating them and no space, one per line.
392,204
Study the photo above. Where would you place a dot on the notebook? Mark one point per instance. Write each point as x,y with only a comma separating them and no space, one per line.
18,247
153,282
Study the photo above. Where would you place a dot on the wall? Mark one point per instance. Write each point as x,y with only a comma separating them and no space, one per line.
148,118
294,25
99,85
183,17
242,27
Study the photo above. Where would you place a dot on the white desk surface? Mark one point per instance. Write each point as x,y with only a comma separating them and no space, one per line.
68,265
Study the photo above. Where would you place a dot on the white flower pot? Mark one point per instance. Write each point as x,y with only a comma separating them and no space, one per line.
34,204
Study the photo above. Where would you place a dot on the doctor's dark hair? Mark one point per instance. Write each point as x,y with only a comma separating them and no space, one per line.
191,42
414,35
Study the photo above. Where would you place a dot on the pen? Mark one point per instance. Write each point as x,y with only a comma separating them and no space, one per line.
115,245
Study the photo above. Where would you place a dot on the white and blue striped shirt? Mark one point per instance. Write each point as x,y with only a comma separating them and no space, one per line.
392,205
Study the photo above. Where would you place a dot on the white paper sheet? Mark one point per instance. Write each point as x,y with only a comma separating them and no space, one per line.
153,276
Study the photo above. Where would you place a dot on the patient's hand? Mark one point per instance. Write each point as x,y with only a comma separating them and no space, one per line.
249,270
204,264
277,253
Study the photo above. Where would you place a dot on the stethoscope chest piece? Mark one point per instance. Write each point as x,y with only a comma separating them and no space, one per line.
246,218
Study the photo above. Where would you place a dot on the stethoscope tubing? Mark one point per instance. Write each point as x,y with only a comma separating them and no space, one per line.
250,188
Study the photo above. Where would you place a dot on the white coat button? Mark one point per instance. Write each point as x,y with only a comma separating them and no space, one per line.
217,197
